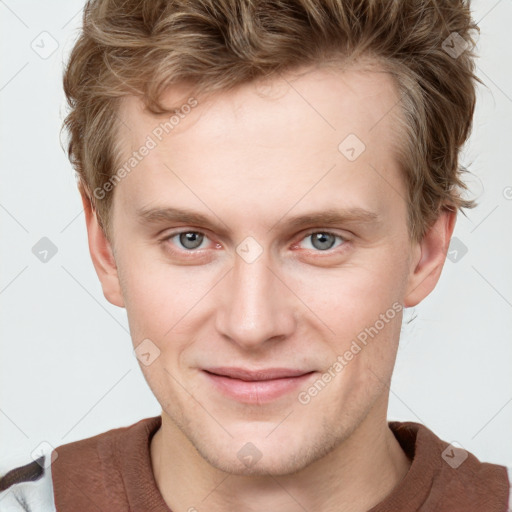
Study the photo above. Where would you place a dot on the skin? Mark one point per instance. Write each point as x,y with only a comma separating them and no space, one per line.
250,160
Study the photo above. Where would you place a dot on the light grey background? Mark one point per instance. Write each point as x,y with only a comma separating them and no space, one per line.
67,370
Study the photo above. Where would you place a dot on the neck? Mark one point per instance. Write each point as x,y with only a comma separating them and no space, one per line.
355,476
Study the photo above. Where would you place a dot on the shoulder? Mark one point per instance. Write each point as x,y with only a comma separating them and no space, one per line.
509,472
93,472
28,487
453,473
104,447
92,463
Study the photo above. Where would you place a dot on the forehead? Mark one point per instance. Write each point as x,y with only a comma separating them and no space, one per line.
335,100
288,132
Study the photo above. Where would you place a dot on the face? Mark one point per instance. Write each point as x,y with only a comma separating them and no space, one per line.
259,234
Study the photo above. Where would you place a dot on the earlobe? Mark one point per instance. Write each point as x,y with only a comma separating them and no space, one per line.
102,255
432,249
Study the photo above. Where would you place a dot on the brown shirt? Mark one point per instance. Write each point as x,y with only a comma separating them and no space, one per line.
112,472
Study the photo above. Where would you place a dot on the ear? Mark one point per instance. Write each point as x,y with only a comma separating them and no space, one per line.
430,255
102,254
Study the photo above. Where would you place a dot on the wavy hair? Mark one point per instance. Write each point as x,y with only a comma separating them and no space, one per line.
142,47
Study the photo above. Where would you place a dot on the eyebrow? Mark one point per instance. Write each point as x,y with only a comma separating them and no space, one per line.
328,217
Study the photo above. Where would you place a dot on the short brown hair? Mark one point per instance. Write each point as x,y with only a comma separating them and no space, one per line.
141,47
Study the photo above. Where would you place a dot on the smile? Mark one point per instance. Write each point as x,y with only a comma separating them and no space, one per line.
256,387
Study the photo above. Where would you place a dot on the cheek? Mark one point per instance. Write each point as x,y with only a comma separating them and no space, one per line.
160,299
160,296
362,309
351,297
159,306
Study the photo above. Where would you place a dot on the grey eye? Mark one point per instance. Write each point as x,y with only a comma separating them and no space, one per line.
322,241
191,239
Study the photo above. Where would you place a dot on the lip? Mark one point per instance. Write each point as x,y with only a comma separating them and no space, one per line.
256,375
256,386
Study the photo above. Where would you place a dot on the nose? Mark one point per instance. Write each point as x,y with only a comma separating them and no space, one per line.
255,305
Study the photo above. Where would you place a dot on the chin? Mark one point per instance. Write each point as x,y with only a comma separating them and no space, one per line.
283,455
277,465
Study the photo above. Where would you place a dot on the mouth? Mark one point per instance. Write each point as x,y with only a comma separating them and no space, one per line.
256,386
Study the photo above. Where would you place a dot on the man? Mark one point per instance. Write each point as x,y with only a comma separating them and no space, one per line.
267,186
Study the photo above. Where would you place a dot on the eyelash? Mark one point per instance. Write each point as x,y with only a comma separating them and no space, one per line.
329,251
